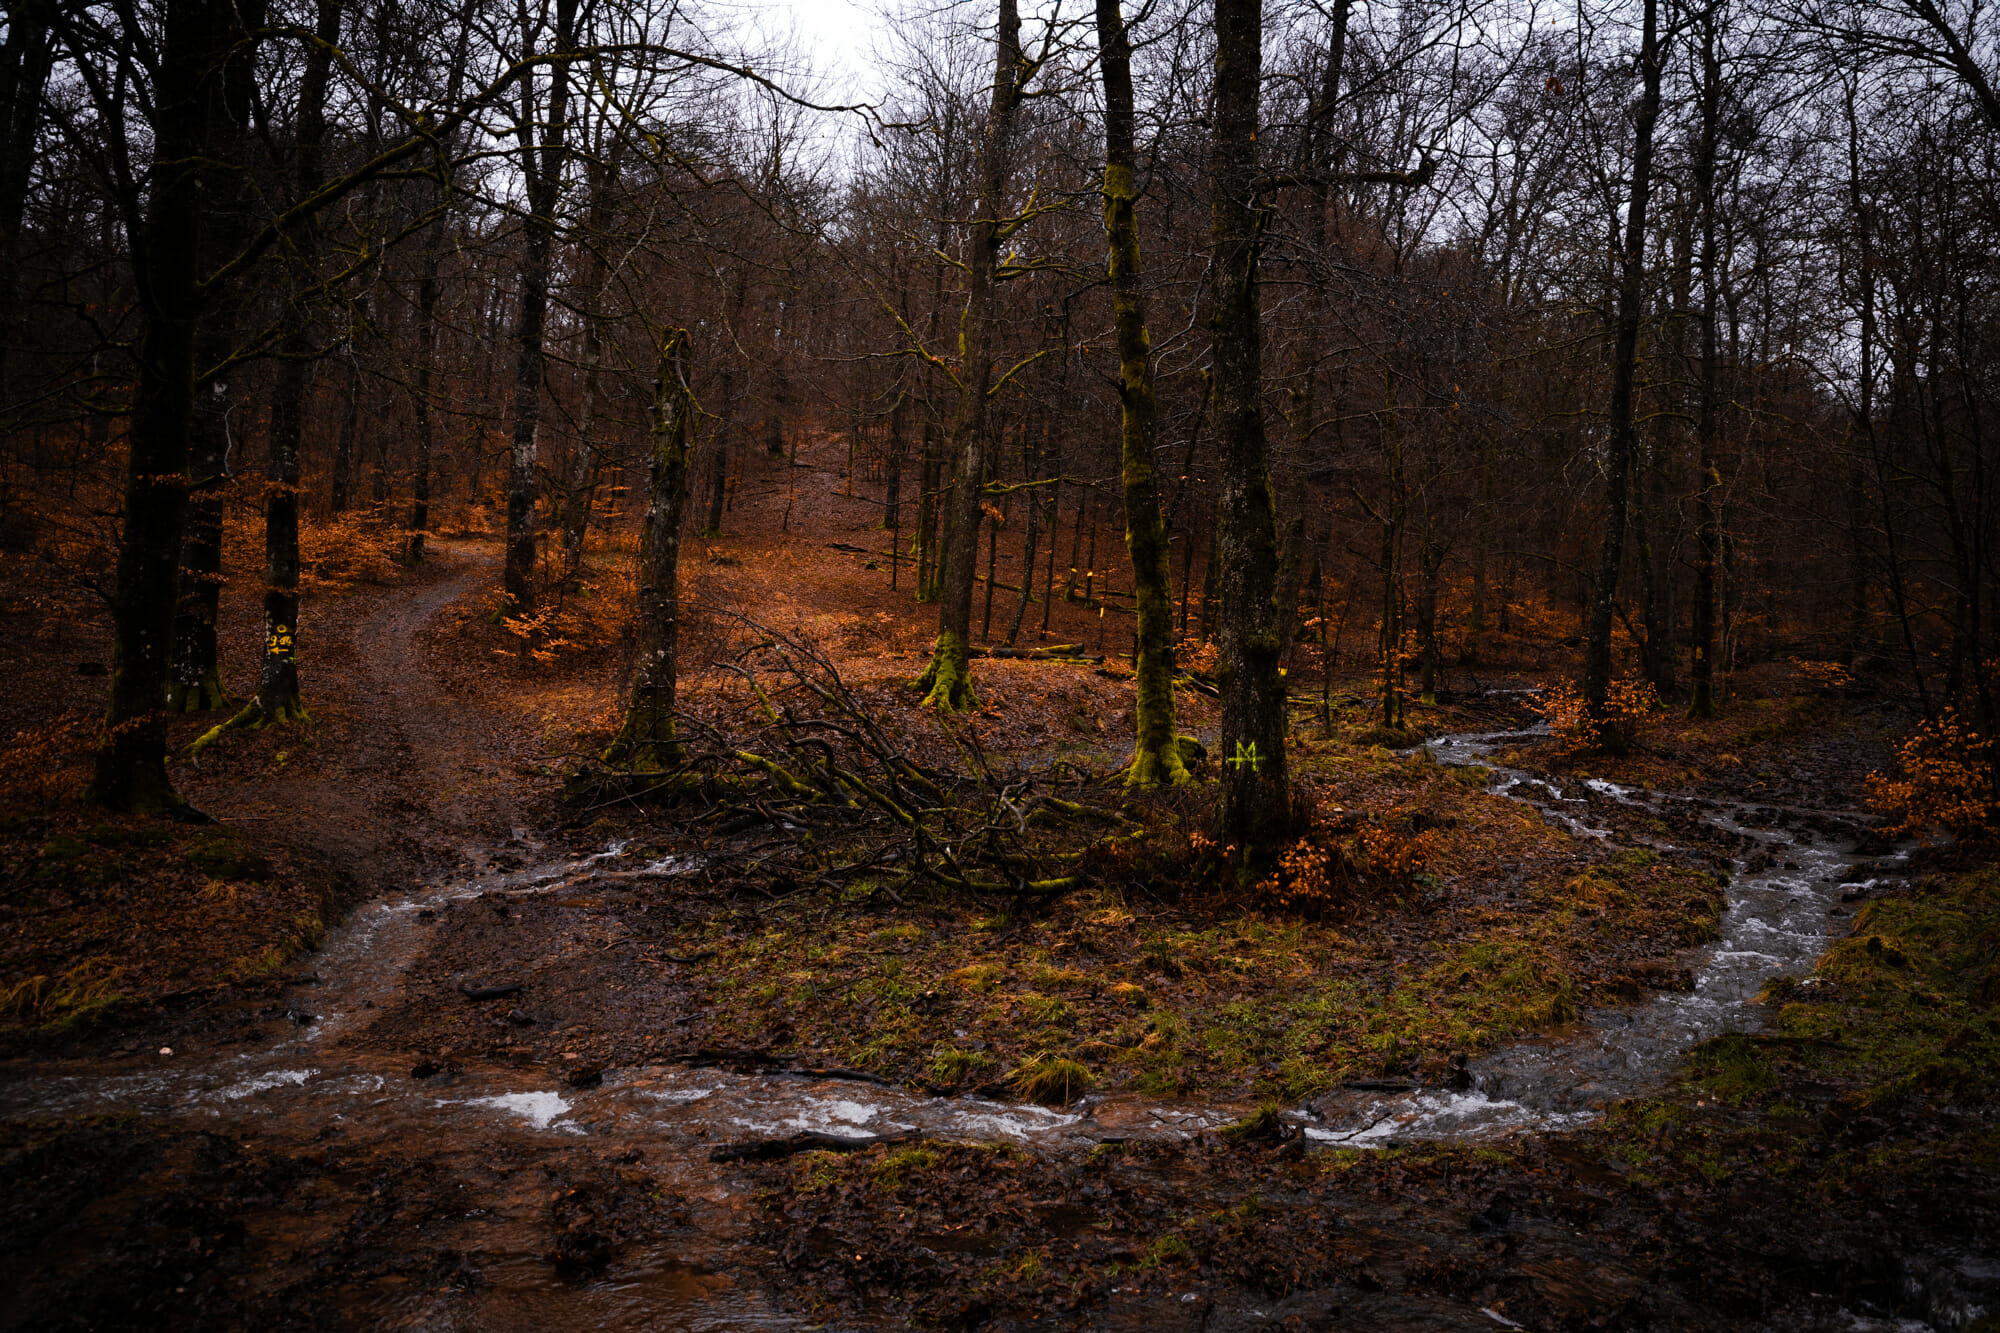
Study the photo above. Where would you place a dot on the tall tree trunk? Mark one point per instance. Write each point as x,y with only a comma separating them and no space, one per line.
930,468
725,429
892,483
420,408
1035,465
25,64
1707,429
427,331
1256,812
129,771
718,463
948,680
277,698
647,742
1482,547
1430,565
1156,754
1623,442
582,487
195,683
542,167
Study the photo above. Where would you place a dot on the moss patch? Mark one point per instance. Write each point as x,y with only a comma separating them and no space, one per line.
1474,921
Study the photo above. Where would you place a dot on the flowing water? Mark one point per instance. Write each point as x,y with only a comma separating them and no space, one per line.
1780,917
1784,910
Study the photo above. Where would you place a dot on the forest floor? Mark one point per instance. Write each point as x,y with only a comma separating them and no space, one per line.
1838,1167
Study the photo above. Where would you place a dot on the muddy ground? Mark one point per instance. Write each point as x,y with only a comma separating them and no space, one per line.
164,1166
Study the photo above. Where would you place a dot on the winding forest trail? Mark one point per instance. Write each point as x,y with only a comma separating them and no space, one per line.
416,776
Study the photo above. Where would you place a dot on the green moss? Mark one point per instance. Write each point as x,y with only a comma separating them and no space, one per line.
223,855
888,1175
1731,1068
948,681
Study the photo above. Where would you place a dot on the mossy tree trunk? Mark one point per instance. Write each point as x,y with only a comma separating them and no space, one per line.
948,681
1256,813
647,742
1622,436
129,771
930,469
1156,757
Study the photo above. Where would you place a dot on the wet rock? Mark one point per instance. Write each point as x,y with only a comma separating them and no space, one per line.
520,1019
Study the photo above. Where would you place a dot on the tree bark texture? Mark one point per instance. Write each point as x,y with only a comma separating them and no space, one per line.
542,166
26,61
1622,441
1256,812
195,683
647,742
948,681
130,770
1155,751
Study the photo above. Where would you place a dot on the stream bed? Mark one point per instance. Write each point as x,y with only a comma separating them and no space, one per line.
1784,908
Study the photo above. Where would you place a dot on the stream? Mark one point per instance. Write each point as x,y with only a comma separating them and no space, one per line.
1784,909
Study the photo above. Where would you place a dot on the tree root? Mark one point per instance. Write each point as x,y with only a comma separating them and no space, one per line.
198,696
253,717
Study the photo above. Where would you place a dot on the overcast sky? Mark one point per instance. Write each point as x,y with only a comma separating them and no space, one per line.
838,34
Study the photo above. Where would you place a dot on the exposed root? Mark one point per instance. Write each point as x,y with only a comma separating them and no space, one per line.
198,696
947,682
253,717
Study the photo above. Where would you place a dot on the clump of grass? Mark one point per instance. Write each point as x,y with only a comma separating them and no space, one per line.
1047,1010
1170,1248
1134,995
1051,1080
77,997
951,1066
980,976
1263,1123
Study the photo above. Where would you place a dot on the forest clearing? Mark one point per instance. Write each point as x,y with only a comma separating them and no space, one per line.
1311,665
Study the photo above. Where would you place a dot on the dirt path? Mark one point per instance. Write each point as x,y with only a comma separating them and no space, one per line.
412,777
